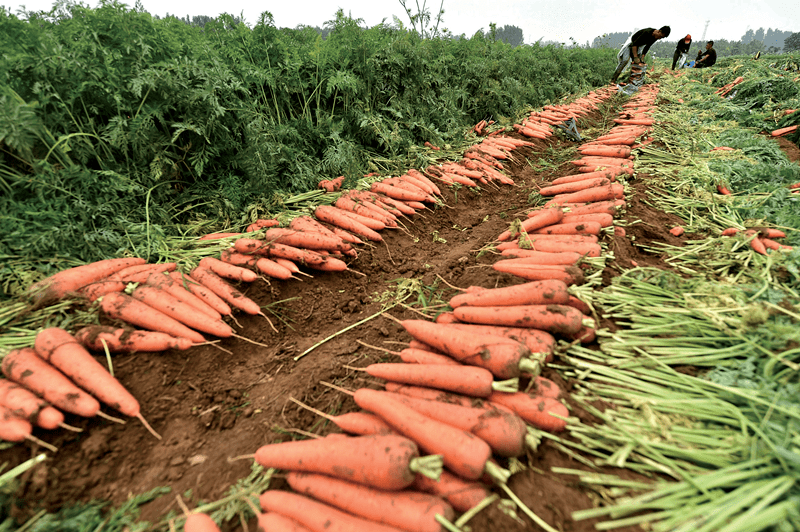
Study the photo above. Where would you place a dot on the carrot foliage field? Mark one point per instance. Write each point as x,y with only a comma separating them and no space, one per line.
118,130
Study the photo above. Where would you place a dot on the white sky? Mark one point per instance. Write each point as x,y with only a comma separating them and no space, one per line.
555,20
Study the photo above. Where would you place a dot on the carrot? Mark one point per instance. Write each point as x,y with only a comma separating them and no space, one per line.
574,186
537,341
539,272
228,271
317,516
595,167
503,356
603,193
729,231
555,246
24,404
784,131
416,174
502,430
62,350
570,228
339,218
16,429
555,319
98,289
534,293
463,495
204,294
127,340
261,224
534,410
171,306
676,231
543,257
383,461
397,192
432,394
218,236
608,207
362,209
576,303
224,290
58,285
275,522
462,452
771,244
446,317
176,289
542,218
466,380
411,355
124,307
772,233
200,522
24,367
139,273
306,239
410,511
722,189
606,151
271,268
603,218
231,256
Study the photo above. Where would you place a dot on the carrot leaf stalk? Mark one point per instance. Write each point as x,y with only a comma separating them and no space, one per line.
498,474
447,525
428,466
509,385
527,511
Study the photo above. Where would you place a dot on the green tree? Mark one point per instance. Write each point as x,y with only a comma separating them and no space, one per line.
509,34
792,42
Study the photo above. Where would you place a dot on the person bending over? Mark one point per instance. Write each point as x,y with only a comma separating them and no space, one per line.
636,47
681,52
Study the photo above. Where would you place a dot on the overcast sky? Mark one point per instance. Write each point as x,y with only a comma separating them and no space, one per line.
554,20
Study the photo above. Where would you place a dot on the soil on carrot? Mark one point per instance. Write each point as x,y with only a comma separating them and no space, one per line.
215,402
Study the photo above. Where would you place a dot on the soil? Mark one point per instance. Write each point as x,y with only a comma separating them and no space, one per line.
215,402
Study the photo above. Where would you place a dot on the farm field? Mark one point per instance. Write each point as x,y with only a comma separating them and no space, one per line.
691,376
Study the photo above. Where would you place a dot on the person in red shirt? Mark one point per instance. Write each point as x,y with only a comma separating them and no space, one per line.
636,47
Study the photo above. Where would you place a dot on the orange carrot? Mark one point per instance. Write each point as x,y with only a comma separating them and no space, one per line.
272,268
58,285
609,174
397,192
366,210
574,302
385,461
416,174
275,522
772,233
98,289
200,522
411,355
317,516
261,224
205,294
123,307
542,218
224,290
466,380
555,319
463,453
590,167
139,273
676,231
503,356
755,242
410,511
729,231
722,189
126,340
784,131
537,341
502,430
24,367
24,404
603,218
176,289
606,151
555,246
609,207
539,272
543,257
59,348
171,306
771,244
604,193
534,293
228,271
570,228
463,495
574,186
534,410
340,218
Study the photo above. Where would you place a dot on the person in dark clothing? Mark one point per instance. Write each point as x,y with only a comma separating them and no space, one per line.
707,58
681,52
636,47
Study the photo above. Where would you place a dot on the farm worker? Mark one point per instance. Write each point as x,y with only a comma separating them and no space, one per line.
707,58
636,47
681,52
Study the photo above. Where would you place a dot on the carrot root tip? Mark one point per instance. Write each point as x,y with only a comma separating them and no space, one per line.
148,427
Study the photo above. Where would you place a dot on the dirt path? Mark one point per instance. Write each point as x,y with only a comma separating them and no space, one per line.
215,402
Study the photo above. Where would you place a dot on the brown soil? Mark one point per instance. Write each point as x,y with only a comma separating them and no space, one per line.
212,403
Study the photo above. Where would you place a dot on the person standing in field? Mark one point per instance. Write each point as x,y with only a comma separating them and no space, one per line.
681,52
707,58
636,47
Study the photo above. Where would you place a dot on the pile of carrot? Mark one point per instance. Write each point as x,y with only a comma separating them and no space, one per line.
453,403
728,87
761,240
